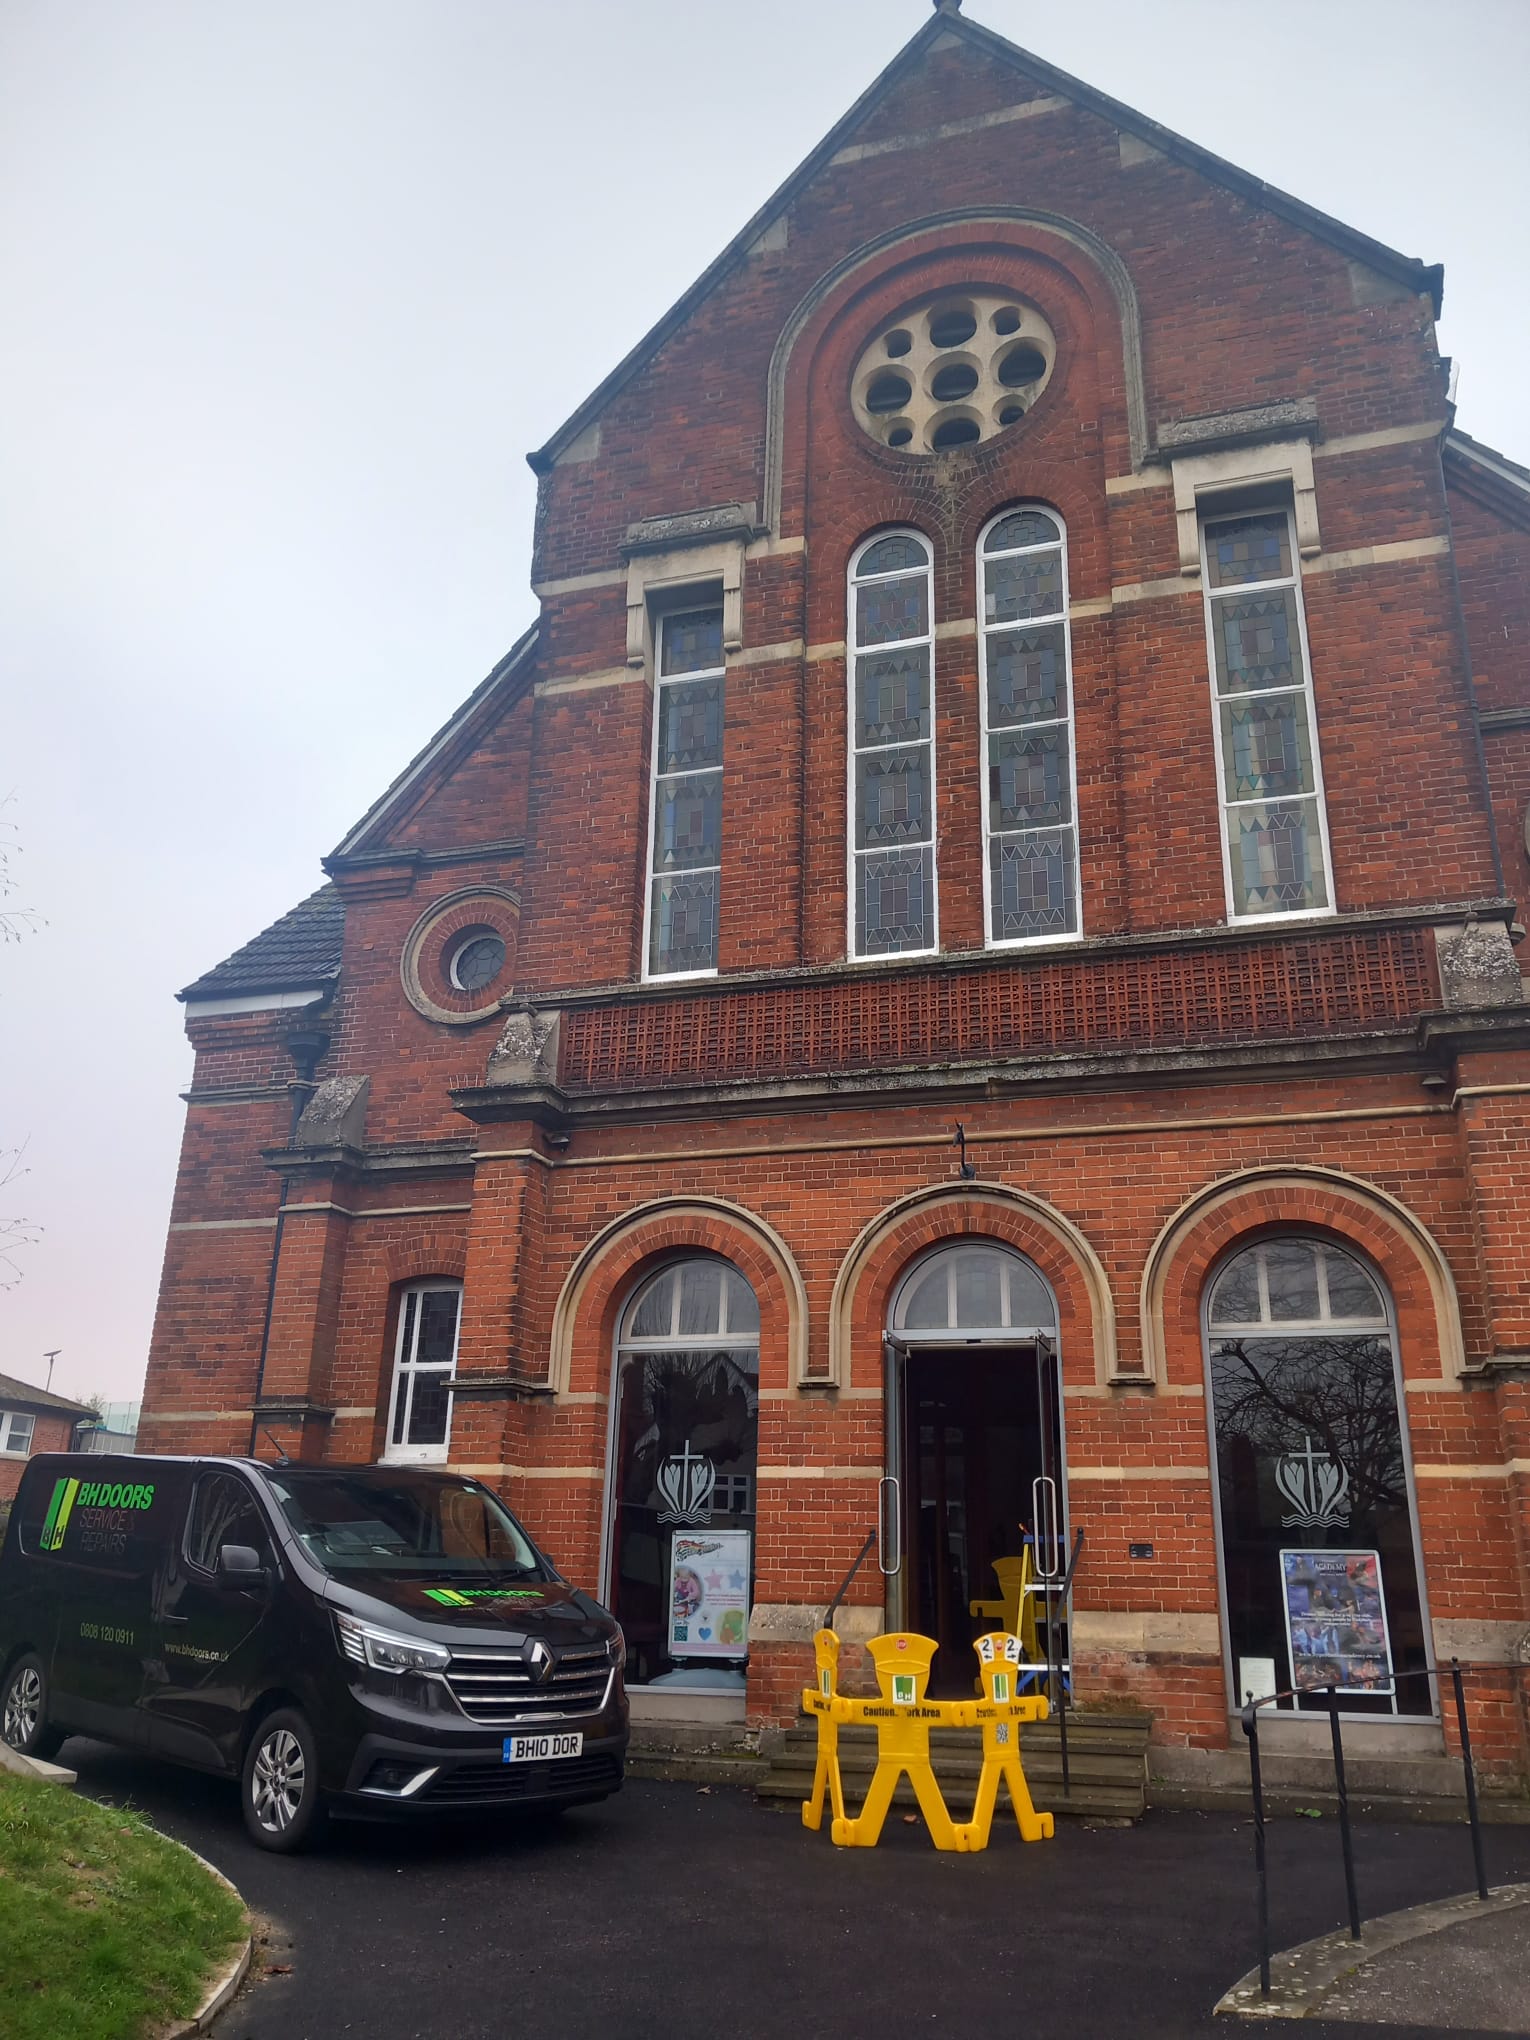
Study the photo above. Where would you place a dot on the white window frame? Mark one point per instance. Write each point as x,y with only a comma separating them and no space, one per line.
985,631
9,1422
854,750
693,599
1210,514
406,1370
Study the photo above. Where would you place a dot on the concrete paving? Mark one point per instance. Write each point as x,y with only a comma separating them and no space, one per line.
684,1913
1471,1978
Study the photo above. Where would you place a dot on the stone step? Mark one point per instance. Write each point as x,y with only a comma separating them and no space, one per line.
1107,1767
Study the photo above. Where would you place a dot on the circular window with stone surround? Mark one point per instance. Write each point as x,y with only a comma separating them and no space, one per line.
458,963
952,371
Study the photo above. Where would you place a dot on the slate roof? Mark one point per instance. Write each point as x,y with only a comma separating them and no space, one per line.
21,1394
299,950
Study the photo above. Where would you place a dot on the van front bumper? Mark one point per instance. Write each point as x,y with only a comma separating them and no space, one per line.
391,1777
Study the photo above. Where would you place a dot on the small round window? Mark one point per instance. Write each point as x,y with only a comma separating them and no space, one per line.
477,960
952,371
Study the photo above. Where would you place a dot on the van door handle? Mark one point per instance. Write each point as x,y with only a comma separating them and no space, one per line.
167,1619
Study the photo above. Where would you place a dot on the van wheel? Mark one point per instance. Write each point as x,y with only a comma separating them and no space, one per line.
283,1808
24,1710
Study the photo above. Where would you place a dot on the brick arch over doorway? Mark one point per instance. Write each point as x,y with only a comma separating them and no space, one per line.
584,1320
1405,1253
1086,1318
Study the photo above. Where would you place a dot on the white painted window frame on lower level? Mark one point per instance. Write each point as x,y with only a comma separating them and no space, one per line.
406,1370
11,1426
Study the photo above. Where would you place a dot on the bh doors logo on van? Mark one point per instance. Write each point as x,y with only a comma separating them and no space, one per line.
104,1507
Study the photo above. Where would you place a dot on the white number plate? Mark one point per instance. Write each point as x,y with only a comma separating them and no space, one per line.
535,1749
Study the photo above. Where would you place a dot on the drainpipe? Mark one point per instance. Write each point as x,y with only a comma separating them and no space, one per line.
305,1046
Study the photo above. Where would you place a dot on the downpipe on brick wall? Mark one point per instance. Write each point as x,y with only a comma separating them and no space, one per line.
305,1046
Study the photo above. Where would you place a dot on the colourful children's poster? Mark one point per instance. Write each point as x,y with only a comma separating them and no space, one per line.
1336,1621
709,1594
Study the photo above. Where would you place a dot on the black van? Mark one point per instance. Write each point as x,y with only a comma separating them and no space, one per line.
373,1639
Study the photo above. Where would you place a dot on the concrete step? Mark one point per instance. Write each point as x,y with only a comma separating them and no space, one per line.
1106,1764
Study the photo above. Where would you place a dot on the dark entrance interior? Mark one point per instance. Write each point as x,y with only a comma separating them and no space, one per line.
980,1426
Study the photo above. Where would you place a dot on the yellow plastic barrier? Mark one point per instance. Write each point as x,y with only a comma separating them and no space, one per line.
1000,1714
903,1720
819,1701
1015,1610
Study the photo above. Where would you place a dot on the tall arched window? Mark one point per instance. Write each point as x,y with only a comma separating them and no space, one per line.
1030,801
1319,1550
682,1475
893,908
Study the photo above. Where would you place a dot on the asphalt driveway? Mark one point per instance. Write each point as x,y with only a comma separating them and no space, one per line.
702,1915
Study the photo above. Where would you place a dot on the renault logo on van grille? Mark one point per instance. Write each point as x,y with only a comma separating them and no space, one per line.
539,1661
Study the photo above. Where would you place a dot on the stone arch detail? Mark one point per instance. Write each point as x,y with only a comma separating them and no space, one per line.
1086,1314
1100,254
1410,1260
584,1318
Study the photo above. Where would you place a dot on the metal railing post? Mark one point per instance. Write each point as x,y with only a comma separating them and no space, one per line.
1344,1829
1470,1774
1261,1873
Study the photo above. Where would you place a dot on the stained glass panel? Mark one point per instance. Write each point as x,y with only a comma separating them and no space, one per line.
892,796
683,930
1266,747
1258,643
1027,676
893,696
1028,779
1248,549
1277,858
894,555
887,611
1032,880
689,827
690,725
1022,528
894,903
1027,585
692,641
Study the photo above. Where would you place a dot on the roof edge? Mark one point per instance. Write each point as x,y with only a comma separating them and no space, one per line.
1408,270
507,667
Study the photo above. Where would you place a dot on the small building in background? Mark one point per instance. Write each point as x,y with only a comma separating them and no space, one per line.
110,1427
35,1420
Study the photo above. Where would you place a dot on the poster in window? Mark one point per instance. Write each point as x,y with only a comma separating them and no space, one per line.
709,1594
1336,1621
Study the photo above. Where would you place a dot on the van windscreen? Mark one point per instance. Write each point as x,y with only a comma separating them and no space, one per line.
403,1525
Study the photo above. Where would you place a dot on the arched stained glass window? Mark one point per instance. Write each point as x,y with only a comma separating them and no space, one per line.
683,1474
1319,1548
1030,822
891,640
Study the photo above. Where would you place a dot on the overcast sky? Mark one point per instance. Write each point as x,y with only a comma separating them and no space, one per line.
292,288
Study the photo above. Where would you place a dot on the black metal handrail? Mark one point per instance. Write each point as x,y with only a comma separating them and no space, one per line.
1330,1697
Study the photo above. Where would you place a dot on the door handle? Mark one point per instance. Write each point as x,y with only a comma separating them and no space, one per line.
894,1522
168,1619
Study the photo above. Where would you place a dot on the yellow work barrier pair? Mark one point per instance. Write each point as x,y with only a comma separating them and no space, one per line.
904,1718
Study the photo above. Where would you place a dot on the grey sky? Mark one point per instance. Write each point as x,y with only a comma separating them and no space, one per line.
291,290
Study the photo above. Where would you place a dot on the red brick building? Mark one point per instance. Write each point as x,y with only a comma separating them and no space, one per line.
1021,647
33,1420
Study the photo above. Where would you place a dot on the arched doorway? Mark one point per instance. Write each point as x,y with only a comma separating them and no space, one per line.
1319,1541
681,1487
974,1418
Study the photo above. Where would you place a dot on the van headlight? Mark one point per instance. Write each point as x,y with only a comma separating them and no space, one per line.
616,1648
384,1651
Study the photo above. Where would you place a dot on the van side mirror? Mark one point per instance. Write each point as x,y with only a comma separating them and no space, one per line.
239,1566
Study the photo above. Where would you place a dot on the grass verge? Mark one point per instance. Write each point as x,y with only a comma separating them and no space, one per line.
107,1930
